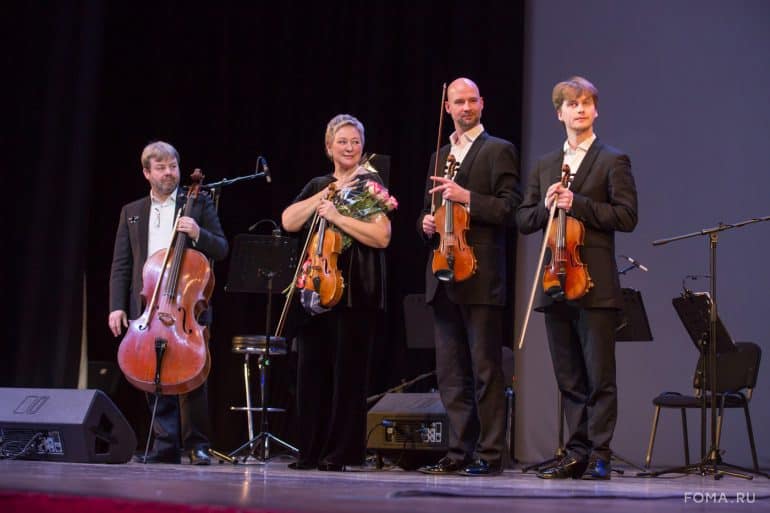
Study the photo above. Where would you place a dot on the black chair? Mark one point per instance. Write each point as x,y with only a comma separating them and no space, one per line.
737,373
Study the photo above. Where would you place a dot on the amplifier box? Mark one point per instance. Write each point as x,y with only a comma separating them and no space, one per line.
408,421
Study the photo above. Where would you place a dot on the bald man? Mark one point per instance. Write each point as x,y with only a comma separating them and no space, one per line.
468,314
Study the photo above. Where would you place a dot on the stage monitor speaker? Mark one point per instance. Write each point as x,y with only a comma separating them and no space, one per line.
409,429
408,421
57,424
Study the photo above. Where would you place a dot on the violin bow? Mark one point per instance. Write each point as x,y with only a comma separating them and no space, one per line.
539,267
438,146
293,286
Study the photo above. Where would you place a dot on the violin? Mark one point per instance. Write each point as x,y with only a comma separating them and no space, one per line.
453,259
565,276
322,275
165,350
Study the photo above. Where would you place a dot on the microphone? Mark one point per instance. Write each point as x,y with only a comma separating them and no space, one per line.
634,263
265,168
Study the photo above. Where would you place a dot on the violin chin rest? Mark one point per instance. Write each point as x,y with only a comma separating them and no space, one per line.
444,275
556,293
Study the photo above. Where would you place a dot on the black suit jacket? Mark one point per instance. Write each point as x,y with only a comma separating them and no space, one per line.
604,200
130,252
490,171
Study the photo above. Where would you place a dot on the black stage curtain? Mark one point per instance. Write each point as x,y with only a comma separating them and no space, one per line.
96,81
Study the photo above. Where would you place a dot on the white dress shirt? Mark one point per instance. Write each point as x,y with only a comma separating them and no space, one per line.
161,223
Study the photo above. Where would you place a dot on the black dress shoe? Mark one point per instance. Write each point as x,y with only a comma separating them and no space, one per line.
303,465
598,469
200,456
445,466
159,457
331,467
567,467
480,468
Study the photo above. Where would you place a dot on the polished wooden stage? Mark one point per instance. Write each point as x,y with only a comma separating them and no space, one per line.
274,487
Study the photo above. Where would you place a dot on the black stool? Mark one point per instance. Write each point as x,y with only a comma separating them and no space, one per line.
265,347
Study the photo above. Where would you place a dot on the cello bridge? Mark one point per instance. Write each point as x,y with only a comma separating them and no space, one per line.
166,318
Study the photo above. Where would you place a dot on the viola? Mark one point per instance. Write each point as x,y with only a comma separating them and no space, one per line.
565,276
166,350
322,275
453,259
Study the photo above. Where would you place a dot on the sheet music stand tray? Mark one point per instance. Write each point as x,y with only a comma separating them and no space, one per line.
694,310
254,257
634,325
258,263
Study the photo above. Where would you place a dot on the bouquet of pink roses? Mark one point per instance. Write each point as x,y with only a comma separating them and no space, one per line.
363,200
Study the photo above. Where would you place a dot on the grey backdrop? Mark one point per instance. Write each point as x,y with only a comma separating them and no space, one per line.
684,90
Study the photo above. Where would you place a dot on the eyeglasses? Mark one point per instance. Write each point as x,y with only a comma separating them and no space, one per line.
157,216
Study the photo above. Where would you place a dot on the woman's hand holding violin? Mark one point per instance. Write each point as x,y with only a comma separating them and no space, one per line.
328,211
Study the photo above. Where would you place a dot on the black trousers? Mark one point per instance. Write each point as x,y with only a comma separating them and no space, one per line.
582,344
470,377
181,422
332,358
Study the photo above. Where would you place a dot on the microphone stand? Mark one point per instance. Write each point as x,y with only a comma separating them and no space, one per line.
216,188
712,462
216,192
230,181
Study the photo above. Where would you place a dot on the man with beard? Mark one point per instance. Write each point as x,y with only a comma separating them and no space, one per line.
145,227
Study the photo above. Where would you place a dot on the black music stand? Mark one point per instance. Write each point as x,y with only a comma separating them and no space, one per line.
256,259
634,325
693,311
712,462
258,263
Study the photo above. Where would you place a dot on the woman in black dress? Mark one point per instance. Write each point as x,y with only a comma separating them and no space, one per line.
333,346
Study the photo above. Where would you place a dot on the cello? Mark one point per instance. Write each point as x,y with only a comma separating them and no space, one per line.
165,350
453,259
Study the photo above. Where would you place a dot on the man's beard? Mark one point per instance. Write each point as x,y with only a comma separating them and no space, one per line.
167,186
467,125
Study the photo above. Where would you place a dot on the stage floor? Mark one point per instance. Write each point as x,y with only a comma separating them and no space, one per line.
274,487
